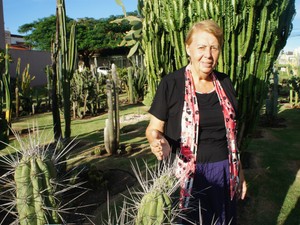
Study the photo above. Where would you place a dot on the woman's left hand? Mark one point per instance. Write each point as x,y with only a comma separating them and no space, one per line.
242,189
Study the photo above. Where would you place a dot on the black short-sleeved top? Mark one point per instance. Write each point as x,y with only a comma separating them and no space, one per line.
169,98
212,141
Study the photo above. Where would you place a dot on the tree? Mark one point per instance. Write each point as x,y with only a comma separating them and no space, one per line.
96,35
92,34
39,33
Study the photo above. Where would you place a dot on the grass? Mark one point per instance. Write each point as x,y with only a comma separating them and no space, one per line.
85,130
273,174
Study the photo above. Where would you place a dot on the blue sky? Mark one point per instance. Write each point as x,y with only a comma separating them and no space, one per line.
19,12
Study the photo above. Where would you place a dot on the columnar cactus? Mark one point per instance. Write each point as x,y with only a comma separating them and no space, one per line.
131,94
66,59
112,124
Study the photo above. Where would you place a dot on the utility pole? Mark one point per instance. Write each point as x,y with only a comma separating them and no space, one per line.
2,30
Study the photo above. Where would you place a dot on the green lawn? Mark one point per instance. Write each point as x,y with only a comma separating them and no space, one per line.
273,174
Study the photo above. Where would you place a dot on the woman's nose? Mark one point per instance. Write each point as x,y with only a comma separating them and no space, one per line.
207,52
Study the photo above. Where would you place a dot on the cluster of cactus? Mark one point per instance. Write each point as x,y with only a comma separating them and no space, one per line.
254,34
112,123
135,85
86,93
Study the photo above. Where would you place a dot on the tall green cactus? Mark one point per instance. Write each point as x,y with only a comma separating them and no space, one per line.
66,62
112,124
254,34
6,82
131,94
5,96
18,87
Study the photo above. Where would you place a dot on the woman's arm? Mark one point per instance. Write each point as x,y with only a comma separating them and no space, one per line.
158,143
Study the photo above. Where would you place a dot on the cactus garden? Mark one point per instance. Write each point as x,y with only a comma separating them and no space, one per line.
74,151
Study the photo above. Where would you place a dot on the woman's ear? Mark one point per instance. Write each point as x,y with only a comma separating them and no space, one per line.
187,49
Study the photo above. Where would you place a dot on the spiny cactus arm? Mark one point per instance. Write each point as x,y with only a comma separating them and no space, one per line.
167,205
160,208
24,193
49,172
152,208
250,31
36,181
147,209
62,29
72,51
6,82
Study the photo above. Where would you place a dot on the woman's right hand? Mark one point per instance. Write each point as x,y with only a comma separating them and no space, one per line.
159,145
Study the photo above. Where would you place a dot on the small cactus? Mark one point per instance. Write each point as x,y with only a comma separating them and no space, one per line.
153,204
112,124
156,206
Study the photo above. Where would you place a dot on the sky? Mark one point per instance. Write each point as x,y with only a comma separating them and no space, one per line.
19,12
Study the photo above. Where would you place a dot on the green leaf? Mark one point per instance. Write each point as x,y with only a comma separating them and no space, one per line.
133,50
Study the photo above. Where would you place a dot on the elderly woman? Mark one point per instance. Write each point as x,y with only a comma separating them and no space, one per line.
194,114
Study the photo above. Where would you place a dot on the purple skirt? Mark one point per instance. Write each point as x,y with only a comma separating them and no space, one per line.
210,202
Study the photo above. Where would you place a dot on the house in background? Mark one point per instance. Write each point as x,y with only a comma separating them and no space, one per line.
289,61
38,60
2,33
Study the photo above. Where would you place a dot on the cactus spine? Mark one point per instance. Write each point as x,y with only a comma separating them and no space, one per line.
112,124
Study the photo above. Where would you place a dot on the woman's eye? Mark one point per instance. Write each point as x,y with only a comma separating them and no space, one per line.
214,48
202,47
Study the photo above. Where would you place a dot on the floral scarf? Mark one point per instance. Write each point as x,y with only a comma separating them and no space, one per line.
186,161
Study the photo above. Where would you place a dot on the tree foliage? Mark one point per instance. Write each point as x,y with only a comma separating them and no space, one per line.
92,34
39,33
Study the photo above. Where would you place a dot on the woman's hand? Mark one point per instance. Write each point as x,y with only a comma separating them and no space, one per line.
159,145
242,189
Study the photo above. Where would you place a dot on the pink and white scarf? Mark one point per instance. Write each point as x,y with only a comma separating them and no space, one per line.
186,161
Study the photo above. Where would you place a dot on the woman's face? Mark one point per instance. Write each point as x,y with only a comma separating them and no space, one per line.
204,52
